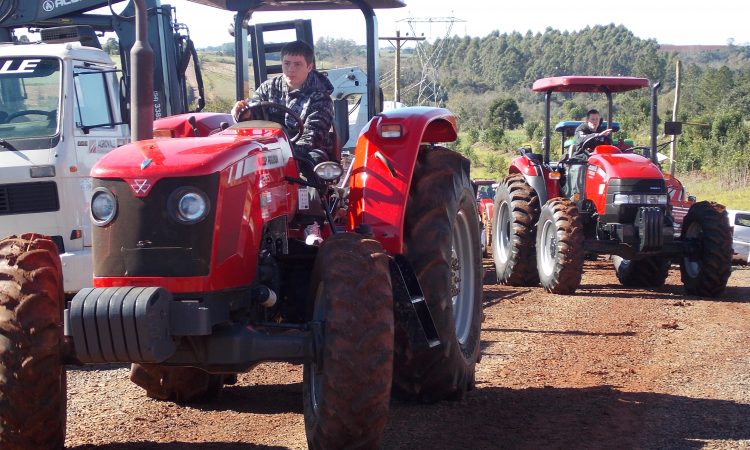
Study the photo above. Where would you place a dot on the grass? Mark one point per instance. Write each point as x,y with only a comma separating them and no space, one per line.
715,188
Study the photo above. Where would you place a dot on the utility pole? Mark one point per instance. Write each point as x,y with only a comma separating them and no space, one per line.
399,41
673,145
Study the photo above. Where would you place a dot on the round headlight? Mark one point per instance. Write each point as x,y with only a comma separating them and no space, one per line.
103,206
189,205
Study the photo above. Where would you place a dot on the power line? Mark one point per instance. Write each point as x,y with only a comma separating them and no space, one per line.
430,58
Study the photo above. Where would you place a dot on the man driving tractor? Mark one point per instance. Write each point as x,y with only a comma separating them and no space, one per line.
590,134
306,92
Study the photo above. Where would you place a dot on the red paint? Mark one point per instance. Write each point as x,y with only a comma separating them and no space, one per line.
377,197
524,166
610,163
577,83
206,123
252,165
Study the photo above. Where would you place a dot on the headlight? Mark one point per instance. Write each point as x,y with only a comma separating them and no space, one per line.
329,170
640,199
103,206
188,205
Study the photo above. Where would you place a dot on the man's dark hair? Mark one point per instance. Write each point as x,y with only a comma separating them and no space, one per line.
296,48
591,112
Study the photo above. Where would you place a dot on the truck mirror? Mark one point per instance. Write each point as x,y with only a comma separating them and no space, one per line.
672,128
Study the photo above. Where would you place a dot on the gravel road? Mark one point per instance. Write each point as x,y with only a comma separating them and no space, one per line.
607,368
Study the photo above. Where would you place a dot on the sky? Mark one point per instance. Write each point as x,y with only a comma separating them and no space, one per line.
678,22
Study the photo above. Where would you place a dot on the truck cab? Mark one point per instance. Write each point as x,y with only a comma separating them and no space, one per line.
45,187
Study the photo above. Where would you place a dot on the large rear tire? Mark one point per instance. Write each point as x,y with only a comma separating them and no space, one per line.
441,234
32,377
514,232
178,384
347,391
707,270
651,271
559,245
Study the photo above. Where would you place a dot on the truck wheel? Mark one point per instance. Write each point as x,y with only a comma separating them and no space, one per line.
178,384
347,389
705,272
651,271
442,241
32,377
559,243
514,232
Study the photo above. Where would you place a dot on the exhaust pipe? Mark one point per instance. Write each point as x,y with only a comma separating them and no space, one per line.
654,120
142,81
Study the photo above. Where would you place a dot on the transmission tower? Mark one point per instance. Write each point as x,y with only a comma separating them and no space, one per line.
430,57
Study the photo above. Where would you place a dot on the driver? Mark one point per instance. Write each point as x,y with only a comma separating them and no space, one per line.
590,134
303,90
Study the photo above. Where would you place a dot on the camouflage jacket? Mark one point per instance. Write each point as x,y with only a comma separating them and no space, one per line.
312,102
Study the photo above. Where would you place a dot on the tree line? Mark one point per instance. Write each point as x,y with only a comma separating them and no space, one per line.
486,80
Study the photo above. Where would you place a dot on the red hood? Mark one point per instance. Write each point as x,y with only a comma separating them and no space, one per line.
625,165
161,158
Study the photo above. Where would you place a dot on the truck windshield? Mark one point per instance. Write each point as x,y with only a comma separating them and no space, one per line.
29,97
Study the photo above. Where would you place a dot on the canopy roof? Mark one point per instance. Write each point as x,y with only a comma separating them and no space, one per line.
578,83
296,5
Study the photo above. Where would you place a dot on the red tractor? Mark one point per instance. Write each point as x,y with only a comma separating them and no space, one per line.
485,202
549,215
219,251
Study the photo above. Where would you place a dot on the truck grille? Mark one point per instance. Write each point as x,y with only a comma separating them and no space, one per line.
26,198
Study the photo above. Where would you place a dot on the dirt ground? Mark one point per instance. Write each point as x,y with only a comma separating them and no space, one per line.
607,368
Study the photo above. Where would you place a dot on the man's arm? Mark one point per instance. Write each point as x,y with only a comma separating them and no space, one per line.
262,94
317,124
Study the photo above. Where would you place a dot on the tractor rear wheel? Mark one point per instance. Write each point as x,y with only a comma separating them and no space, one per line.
706,270
441,234
514,232
559,244
651,271
32,377
179,384
347,388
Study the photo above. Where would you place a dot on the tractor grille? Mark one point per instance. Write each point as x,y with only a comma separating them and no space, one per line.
27,198
144,241
627,213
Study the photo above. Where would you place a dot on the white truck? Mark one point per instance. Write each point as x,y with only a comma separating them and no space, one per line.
64,104
59,112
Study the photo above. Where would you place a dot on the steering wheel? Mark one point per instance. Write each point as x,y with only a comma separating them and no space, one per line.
264,105
28,112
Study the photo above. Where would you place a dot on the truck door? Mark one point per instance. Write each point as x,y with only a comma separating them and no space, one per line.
99,127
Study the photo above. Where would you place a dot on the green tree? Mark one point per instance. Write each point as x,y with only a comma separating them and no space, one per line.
112,46
504,113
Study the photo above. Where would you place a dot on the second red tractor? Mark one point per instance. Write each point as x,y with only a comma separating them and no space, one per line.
547,218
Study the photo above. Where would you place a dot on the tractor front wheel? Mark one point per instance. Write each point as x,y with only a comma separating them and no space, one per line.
559,244
441,235
515,214
706,269
651,271
32,377
347,388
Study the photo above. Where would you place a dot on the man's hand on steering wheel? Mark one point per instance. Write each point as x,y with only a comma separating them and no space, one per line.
242,110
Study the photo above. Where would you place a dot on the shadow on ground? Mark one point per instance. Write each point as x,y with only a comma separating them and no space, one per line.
552,418
147,445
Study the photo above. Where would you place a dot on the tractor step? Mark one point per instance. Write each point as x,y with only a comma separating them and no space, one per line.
409,305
